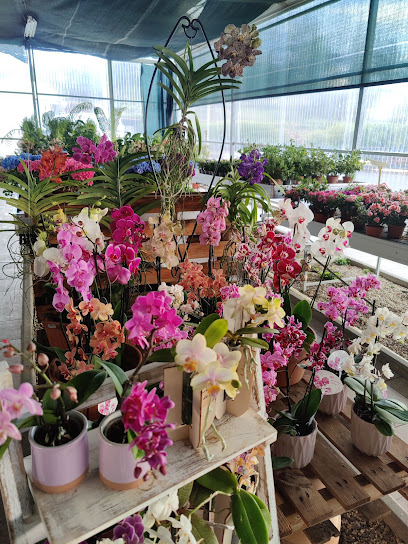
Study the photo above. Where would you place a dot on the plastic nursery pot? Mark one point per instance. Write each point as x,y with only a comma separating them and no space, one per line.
332,179
131,357
375,232
395,231
366,438
299,448
116,461
57,469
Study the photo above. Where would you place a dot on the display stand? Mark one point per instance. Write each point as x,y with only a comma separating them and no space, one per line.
71,517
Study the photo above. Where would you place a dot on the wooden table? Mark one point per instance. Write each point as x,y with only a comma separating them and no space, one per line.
338,479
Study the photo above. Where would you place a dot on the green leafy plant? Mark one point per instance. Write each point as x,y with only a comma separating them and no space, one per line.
349,163
342,261
334,167
315,164
114,186
295,158
298,421
244,199
276,167
370,406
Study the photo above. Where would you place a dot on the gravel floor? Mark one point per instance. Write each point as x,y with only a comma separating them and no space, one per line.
391,295
355,529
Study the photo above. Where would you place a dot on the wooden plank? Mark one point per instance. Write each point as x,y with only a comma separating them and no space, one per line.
399,452
284,528
321,533
76,515
304,497
337,476
375,510
337,432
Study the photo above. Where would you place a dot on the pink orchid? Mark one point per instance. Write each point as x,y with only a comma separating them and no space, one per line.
7,428
18,401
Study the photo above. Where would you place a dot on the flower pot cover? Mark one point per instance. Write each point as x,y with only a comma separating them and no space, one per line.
367,438
116,461
334,403
375,232
60,468
396,231
299,448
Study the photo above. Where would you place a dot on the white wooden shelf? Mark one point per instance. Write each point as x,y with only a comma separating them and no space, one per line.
92,507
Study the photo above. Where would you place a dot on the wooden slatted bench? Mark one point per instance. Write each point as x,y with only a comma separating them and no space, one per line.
339,478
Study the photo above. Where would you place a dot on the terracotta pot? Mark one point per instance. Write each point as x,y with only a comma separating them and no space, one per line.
116,461
375,232
332,179
320,217
279,181
367,438
299,448
54,334
347,179
60,468
395,231
131,357
334,403
317,178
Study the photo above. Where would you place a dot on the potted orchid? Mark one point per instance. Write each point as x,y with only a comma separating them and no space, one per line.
373,415
58,435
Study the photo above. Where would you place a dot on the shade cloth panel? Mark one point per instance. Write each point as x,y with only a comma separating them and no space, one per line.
118,29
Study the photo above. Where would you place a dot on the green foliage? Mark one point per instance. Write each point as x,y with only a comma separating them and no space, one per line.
349,163
85,383
216,332
281,462
189,85
205,323
242,196
299,420
202,531
115,188
219,480
207,166
114,371
35,198
249,519
370,406
184,493
342,261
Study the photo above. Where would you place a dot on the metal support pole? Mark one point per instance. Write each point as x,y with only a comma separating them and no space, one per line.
27,317
111,101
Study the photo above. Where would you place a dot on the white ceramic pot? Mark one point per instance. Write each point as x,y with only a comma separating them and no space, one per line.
334,394
299,448
367,438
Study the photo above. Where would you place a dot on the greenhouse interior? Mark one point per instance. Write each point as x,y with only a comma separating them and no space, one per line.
204,272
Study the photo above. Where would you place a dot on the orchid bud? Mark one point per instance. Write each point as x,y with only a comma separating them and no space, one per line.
42,359
73,393
9,352
55,392
31,348
16,369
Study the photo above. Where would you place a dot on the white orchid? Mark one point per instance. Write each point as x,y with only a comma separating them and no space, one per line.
227,358
161,509
39,246
185,532
215,378
161,536
92,230
386,371
194,355
333,238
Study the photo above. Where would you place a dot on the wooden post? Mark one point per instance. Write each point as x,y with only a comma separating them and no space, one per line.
16,495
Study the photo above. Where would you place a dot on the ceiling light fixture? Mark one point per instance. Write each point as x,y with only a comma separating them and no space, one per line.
30,27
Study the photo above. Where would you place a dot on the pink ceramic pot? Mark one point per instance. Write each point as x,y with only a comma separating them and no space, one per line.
299,448
116,461
367,438
60,468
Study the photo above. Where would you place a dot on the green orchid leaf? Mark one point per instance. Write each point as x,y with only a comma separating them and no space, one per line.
199,494
184,493
254,342
248,519
216,332
383,426
117,375
304,311
219,480
265,512
205,323
165,355
281,462
202,531
255,330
